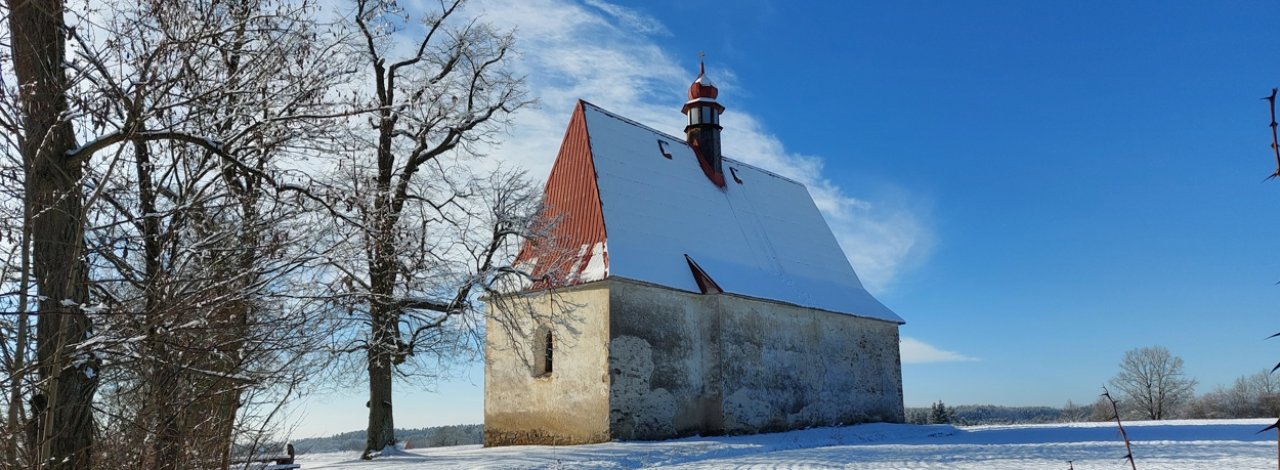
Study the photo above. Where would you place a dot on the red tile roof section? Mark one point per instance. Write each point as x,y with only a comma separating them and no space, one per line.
573,205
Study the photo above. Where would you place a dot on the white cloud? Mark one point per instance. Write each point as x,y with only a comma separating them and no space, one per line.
631,18
915,351
607,55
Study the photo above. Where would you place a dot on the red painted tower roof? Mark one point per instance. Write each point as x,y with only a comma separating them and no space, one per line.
702,91
702,87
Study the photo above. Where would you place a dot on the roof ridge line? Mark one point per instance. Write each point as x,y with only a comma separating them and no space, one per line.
633,122
682,141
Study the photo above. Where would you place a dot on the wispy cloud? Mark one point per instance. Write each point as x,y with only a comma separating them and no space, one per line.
631,19
608,55
915,351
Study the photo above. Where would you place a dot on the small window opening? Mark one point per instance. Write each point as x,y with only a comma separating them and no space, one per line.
544,344
548,354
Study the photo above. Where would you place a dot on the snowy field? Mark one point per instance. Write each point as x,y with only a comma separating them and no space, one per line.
1183,445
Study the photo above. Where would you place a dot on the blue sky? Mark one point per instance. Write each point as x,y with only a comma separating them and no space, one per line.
1035,187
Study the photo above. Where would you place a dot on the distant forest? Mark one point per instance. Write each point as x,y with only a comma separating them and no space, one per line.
354,441
975,415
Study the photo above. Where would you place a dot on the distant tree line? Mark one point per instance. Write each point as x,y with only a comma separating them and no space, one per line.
1154,387
354,441
1150,385
1249,396
973,415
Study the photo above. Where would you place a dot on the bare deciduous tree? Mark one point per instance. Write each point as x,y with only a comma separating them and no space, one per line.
180,253
1249,396
1152,380
189,244
188,289
422,239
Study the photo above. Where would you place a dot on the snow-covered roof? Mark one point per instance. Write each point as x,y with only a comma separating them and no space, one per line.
633,202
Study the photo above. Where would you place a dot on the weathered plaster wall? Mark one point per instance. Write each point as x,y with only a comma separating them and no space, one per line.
638,361
571,405
787,367
664,358
684,363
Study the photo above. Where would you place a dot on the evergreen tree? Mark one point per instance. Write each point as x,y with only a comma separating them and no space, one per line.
938,413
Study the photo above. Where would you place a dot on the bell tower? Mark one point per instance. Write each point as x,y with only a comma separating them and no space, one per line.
703,131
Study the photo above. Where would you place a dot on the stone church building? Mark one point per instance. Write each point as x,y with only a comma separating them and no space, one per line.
699,295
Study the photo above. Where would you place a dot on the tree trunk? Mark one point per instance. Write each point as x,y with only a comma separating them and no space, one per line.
384,338
383,318
381,420
227,401
53,197
166,398
383,341
381,431
222,399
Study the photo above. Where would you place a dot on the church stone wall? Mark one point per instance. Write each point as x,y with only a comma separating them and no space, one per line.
568,406
664,362
684,363
788,367
638,361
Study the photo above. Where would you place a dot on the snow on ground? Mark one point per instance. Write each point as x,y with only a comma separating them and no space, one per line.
1182,445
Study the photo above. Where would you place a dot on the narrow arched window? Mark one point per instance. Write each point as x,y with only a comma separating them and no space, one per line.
549,353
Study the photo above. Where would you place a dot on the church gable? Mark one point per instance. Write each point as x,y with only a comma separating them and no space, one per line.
575,249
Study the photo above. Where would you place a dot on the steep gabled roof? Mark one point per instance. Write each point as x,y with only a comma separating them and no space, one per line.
631,202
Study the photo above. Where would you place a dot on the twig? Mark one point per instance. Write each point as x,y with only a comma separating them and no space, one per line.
1127,446
1275,425
1275,141
1275,147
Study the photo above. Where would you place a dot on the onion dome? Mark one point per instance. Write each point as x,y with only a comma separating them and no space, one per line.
702,87
703,93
